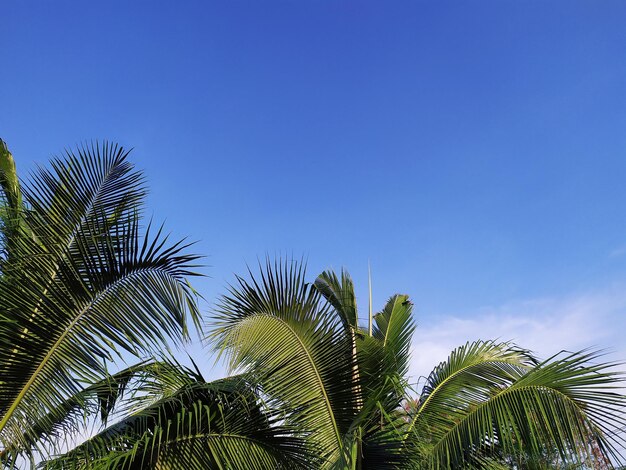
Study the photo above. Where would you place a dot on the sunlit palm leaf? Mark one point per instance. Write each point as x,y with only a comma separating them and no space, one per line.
282,331
82,283
394,328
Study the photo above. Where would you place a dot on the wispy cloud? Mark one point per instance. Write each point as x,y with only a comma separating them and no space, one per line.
546,326
617,252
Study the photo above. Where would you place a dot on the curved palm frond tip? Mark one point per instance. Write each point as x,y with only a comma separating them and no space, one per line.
79,284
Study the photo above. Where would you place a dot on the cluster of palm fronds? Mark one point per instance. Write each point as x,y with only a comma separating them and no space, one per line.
81,285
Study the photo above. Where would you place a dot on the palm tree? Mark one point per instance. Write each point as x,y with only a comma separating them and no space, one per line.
344,389
80,285
317,391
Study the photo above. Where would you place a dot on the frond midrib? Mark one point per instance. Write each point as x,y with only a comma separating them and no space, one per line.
318,377
507,391
448,379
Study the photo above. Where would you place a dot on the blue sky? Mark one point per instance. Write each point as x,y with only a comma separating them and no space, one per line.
474,152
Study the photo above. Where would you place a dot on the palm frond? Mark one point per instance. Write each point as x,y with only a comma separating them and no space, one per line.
81,285
11,204
394,328
478,364
340,294
8,178
281,330
200,426
384,357
96,400
490,399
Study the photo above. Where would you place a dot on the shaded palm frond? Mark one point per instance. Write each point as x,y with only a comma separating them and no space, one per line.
8,178
97,400
11,204
202,425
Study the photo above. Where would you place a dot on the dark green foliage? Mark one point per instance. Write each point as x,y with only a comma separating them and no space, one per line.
190,423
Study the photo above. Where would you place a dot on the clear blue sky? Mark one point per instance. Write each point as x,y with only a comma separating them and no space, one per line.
474,152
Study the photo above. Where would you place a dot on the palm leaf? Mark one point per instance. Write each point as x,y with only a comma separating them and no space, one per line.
98,399
199,426
490,399
82,284
280,330
384,356
394,330
340,294
8,178
11,204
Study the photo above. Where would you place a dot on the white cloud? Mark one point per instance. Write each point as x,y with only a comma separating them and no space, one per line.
546,326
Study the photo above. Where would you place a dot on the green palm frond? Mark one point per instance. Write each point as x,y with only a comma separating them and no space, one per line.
340,294
81,285
280,289
490,405
384,357
11,205
380,431
474,366
202,425
281,330
8,178
94,405
96,400
492,399
341,297
394,328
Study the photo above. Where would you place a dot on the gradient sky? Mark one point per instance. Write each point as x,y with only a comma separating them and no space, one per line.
473,152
